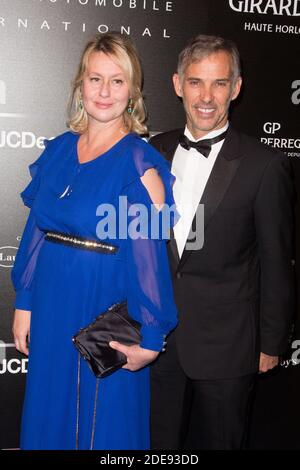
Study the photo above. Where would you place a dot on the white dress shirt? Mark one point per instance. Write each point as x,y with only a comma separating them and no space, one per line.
192,171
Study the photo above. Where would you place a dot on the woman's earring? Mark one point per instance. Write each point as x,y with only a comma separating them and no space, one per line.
80,105
130,106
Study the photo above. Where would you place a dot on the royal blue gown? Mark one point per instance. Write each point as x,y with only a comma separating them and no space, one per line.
66,288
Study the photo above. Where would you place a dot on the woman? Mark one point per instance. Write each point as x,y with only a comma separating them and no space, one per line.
61,288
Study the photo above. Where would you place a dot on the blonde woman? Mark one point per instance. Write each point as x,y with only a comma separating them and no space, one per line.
62,282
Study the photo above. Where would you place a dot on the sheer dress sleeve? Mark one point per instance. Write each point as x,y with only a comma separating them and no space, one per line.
22,274
149,285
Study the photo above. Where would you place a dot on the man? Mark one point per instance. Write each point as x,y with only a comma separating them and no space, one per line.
235,294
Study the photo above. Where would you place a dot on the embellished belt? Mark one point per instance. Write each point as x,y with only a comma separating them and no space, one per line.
81,242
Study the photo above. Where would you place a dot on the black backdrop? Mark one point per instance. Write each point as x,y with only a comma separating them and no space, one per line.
40,45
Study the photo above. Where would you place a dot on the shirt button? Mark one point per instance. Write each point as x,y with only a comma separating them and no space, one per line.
178,275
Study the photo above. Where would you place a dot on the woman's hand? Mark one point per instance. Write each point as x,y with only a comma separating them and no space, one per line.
21,330
137,357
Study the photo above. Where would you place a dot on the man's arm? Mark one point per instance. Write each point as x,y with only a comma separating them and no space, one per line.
274,226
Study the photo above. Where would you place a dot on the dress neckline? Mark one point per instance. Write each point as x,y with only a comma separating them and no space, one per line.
99,157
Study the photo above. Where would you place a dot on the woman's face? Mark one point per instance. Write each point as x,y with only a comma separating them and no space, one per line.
105,90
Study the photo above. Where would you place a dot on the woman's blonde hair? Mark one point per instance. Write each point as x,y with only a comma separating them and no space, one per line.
124,54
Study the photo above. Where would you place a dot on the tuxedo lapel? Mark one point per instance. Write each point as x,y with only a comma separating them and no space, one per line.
218,183
173,247
169,146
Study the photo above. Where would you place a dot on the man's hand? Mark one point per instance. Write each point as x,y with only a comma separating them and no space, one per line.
137,357
267,362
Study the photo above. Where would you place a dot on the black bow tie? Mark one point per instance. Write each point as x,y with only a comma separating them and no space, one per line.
202,146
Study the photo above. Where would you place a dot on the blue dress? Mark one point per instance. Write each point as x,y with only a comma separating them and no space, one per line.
66,288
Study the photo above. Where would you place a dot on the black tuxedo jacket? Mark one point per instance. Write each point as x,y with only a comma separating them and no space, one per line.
236,295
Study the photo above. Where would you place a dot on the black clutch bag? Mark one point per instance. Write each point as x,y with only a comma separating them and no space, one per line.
93,340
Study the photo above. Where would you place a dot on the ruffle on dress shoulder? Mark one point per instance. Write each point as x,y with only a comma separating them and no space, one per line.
142,158
35,169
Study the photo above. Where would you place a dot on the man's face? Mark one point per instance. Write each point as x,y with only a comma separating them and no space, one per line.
207,88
